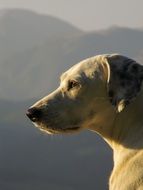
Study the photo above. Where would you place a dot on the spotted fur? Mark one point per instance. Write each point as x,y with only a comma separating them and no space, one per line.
125,80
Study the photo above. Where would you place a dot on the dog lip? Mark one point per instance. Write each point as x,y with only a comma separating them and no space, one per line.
72,128
58,131
52,130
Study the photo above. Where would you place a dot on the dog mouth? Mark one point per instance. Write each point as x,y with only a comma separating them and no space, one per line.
55,130
52,126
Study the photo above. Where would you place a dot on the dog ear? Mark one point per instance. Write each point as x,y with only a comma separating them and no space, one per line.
124,78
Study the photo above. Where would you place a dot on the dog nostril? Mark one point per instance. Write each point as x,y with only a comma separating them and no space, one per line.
34,114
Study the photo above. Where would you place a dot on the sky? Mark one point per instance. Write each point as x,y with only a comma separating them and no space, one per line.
86,14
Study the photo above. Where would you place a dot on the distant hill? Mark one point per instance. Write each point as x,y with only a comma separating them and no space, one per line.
35,49
23,29
125,41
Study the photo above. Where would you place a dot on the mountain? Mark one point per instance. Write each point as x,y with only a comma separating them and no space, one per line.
125,41
22,32
23,29
35,71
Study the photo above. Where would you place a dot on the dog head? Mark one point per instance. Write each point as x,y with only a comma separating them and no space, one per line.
88,91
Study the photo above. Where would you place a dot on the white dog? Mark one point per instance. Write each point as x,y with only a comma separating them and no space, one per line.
103,94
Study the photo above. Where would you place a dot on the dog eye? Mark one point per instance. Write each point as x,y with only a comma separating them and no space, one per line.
72,84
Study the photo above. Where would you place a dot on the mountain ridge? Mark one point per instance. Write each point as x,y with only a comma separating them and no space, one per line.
32,60
21,29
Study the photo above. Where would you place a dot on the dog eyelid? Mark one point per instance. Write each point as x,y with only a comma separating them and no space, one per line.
72,84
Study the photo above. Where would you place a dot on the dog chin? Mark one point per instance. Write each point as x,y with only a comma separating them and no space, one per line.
52,130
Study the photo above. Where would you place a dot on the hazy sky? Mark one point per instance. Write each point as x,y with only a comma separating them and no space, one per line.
87,14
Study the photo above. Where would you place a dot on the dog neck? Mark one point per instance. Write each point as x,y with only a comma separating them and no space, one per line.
122,131
127,133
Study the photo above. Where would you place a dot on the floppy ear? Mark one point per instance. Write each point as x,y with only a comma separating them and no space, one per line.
124,78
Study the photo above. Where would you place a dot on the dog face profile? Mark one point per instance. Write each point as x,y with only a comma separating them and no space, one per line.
88,92
71,105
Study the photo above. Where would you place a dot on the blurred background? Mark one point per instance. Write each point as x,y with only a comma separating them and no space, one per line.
40,39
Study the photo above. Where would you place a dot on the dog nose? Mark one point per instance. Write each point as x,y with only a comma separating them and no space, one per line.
34,114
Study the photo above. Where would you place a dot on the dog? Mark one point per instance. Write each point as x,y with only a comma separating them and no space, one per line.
104,94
